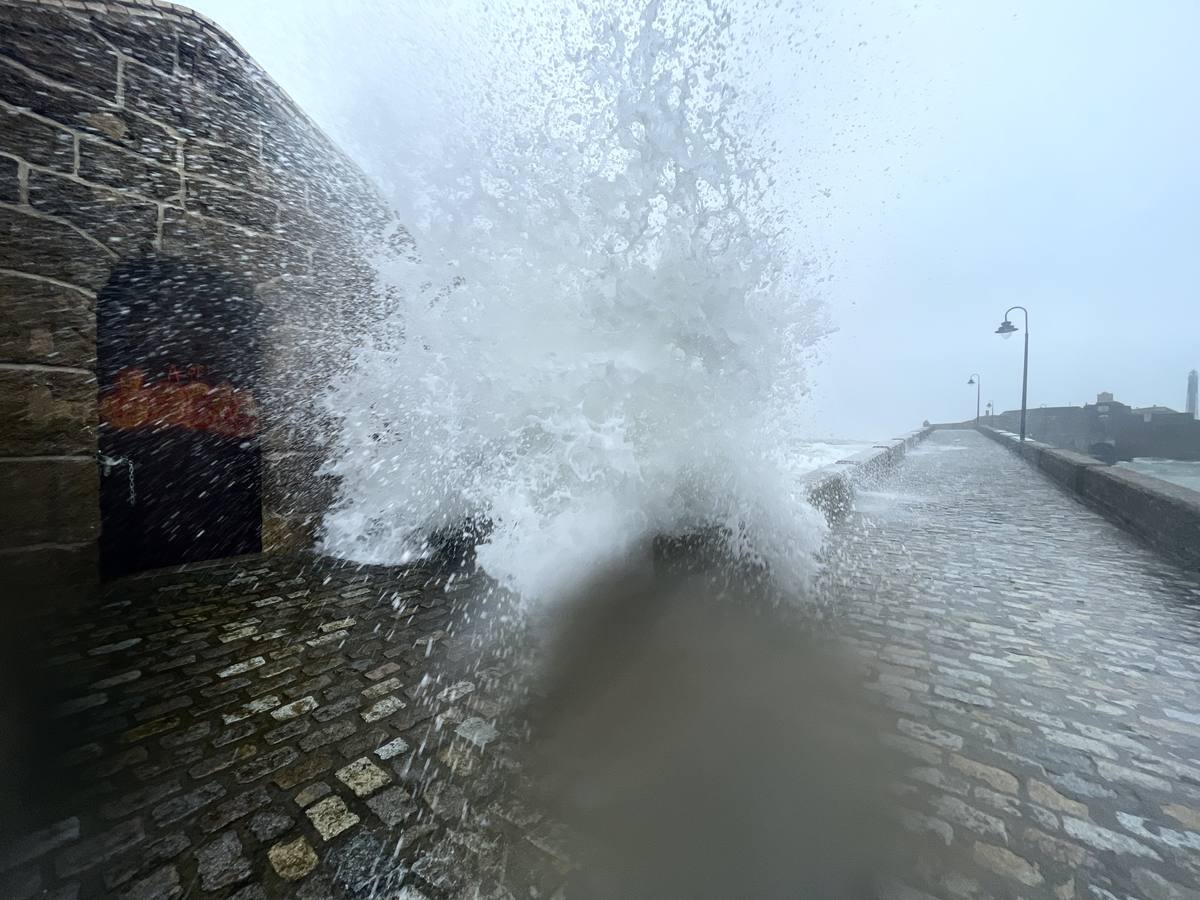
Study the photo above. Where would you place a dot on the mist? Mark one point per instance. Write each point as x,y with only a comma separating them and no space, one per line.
947,161
525,449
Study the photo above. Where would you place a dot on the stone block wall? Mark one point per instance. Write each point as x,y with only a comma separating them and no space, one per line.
132,128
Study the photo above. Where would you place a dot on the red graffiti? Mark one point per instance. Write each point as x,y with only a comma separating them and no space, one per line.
182,400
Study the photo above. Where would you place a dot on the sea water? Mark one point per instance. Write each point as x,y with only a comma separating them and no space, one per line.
598,321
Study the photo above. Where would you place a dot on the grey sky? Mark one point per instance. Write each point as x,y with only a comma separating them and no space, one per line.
956,158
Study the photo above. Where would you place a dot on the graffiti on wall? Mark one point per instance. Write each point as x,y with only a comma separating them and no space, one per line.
184,399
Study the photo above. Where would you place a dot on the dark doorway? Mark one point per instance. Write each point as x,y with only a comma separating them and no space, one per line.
180,461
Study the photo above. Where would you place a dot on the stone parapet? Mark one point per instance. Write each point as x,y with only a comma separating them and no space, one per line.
1165,515
831,488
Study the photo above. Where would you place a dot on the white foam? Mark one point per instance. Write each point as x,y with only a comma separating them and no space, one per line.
601,333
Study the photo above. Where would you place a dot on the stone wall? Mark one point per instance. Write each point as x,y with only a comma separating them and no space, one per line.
131,128
831,488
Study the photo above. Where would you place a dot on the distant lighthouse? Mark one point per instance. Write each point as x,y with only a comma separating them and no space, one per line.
1193,389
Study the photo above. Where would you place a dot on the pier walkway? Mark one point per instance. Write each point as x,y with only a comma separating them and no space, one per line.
262,728
1044,672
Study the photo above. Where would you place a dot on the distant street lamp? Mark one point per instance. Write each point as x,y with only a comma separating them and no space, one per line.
976,380
1006,330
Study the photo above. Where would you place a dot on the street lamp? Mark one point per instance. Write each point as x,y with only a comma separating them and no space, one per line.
1006,330
977,380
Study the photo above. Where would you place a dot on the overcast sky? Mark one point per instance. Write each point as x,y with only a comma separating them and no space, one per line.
960,158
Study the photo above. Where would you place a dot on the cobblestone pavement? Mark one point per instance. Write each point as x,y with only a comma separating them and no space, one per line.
265,728
262,728
1044,671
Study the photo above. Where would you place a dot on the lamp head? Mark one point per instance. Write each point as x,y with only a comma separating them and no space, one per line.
1007,329
971,380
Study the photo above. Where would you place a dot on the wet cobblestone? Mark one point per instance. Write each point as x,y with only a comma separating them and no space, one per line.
1043,669
232,729
267,728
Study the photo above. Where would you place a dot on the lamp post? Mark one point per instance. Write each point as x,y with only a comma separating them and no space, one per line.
977,380
1006,330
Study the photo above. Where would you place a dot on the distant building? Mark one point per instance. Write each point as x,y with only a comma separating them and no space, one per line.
1193,390
1111,430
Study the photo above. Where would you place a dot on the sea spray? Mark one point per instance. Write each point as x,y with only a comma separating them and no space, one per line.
596,322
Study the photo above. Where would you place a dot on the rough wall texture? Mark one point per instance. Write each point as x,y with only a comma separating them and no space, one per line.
133,129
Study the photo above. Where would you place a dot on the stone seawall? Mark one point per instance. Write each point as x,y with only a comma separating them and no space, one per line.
831,488
1164,515
134,131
